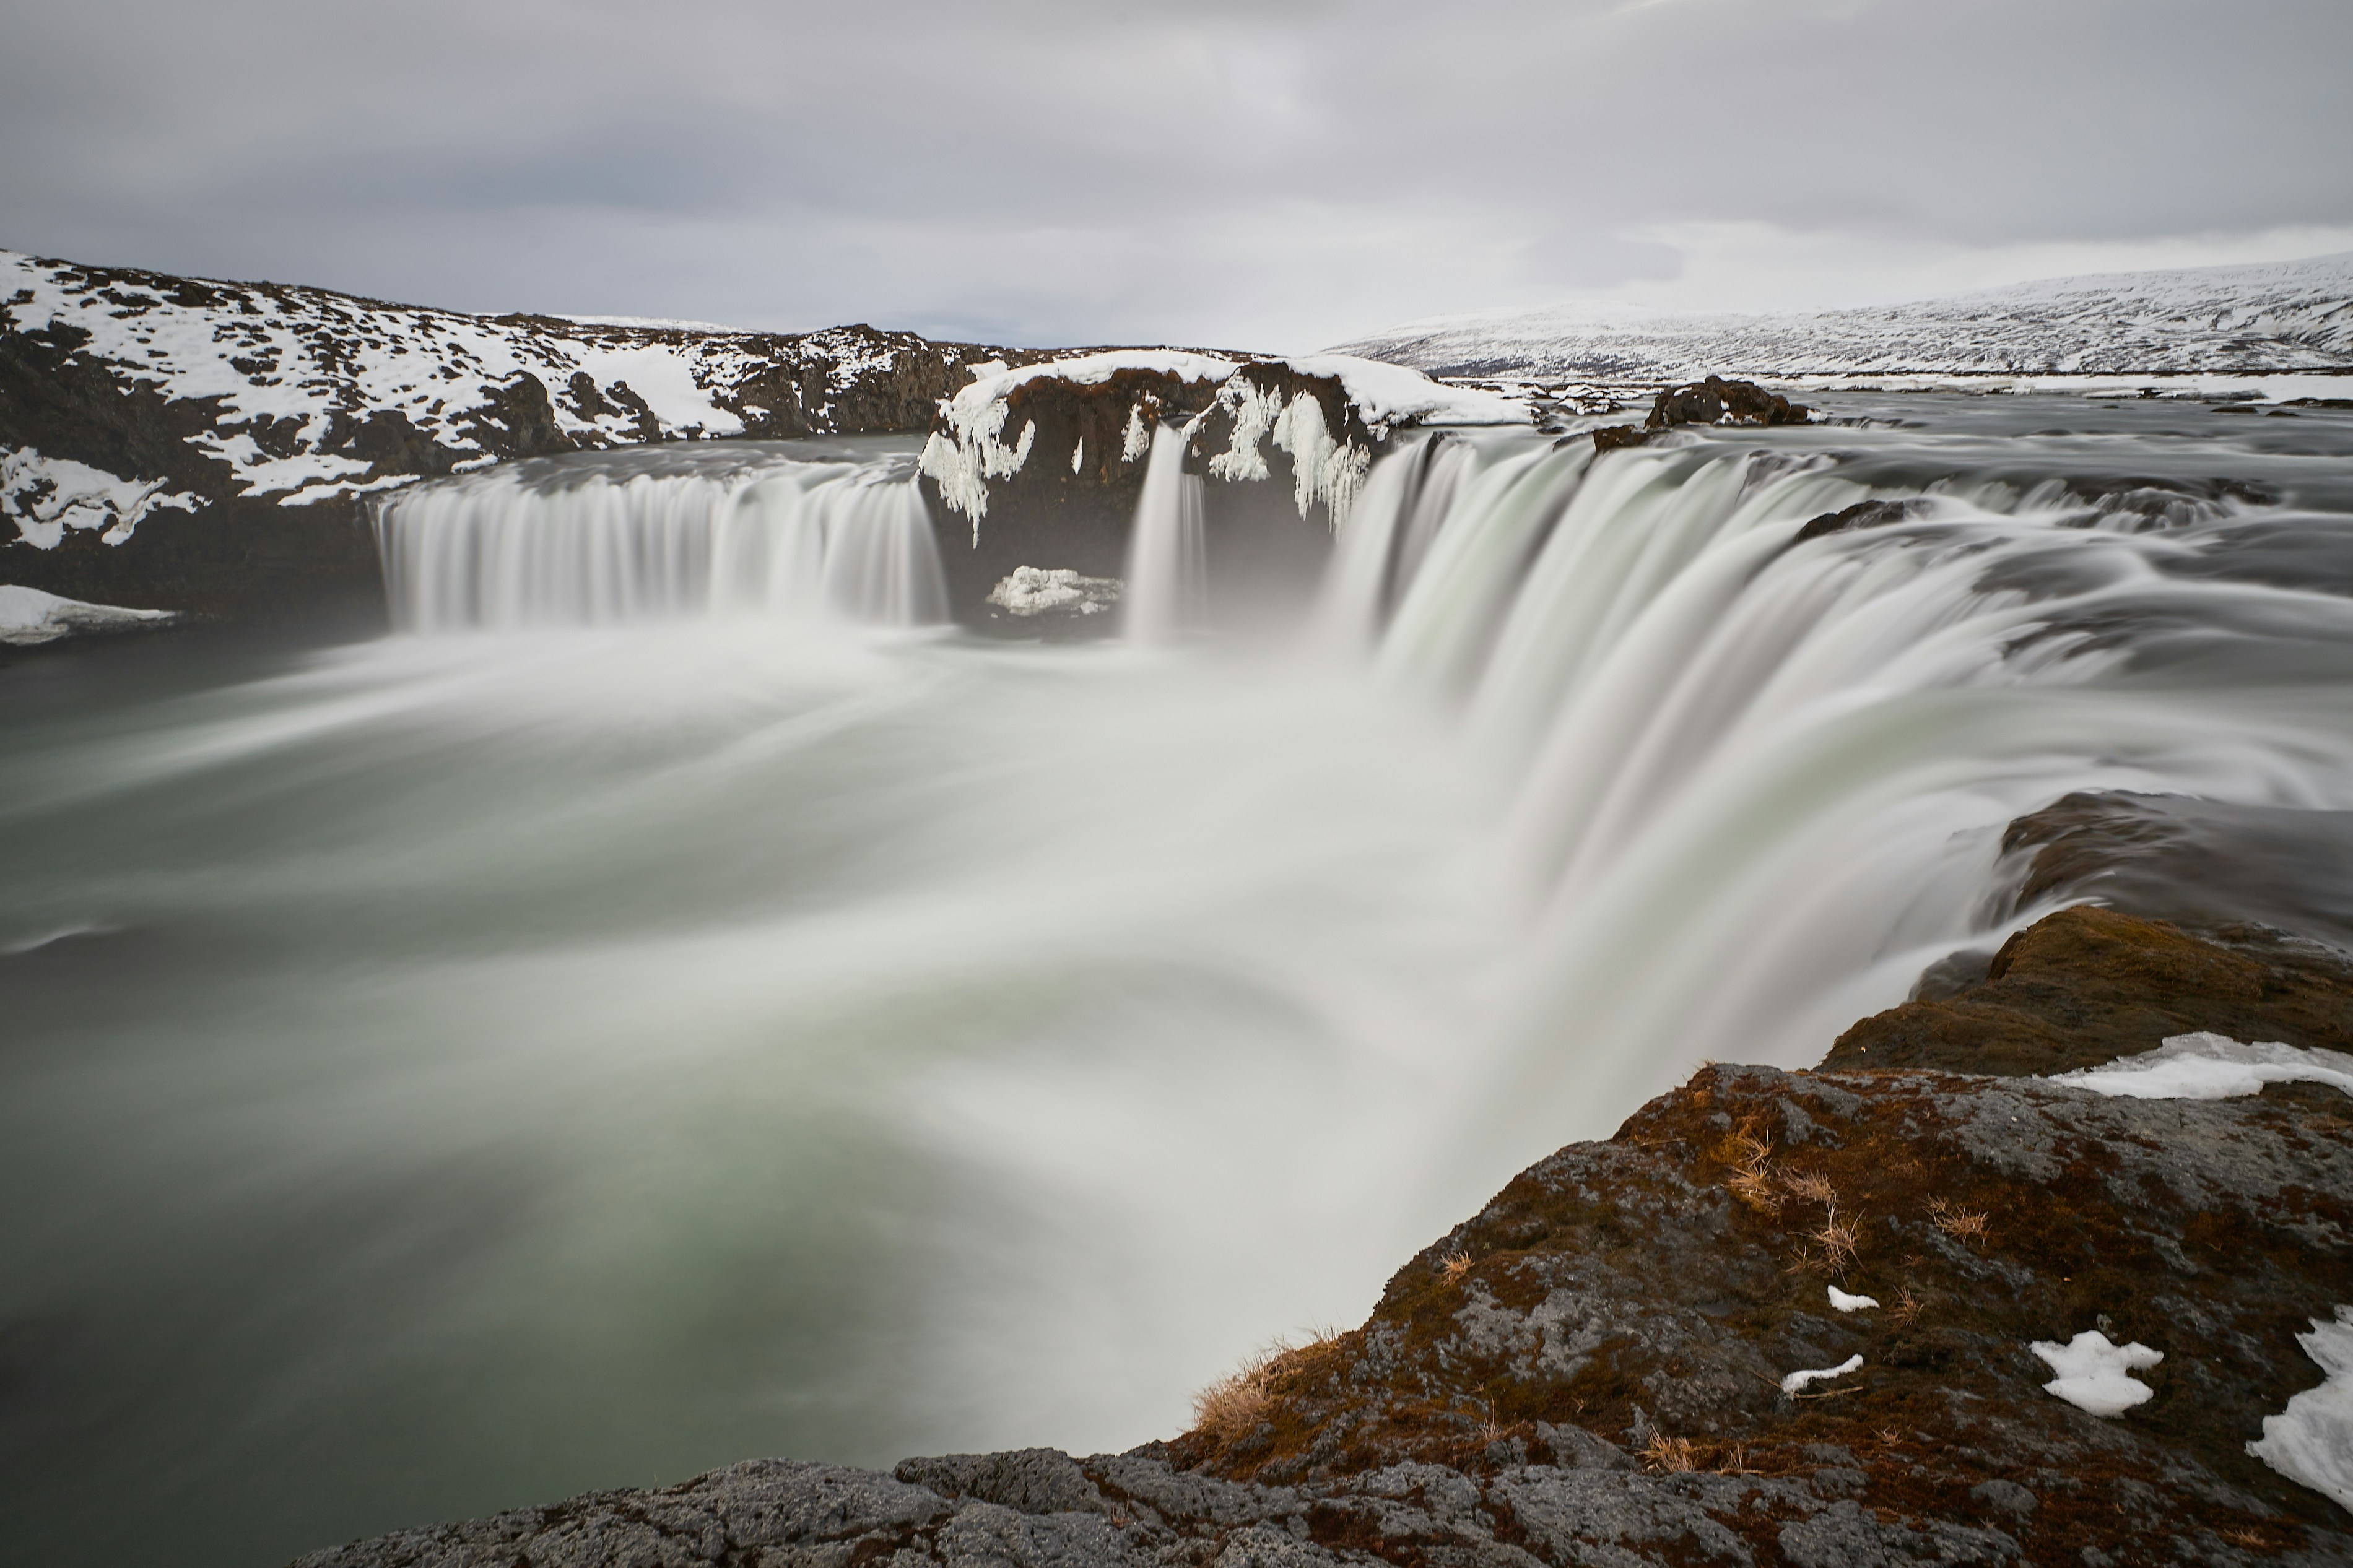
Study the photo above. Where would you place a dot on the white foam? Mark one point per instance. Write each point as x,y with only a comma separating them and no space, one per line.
2095,1374
2311,1441
2207,1066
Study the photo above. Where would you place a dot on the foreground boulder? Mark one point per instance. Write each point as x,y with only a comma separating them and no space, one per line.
1597,1368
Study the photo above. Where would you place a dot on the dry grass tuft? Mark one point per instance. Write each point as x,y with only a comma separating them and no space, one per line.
1906,1311
1750,1154
1838,1240
1734,1461
1810,1187
1673,1455
1233,1407
1455,1266
1962,1224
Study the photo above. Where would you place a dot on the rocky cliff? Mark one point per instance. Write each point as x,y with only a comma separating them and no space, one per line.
1806,1318
181,443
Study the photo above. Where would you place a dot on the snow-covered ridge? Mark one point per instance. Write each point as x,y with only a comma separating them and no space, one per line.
306,391
2283,316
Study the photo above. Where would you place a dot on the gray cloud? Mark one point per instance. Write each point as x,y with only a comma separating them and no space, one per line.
1278,173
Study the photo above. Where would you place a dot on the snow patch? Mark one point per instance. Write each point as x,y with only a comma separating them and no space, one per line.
2311,1441
2206,1066
1034,590
27,617
1386,396
2095,1374
45,496
1846,1303
1797,1380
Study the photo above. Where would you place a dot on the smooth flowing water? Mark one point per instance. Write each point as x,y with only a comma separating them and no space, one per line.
707,1010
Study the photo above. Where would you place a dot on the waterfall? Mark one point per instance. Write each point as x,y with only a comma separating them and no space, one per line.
651,534
1761,784
1167,560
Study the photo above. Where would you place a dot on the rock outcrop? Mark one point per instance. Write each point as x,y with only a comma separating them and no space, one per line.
1717,401
1596,1368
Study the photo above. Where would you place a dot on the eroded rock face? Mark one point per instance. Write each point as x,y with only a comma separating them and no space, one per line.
1044,470
179,444
1043,467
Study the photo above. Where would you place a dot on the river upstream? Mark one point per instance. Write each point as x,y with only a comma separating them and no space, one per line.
670,1003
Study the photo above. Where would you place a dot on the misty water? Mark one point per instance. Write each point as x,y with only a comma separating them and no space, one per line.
592,1035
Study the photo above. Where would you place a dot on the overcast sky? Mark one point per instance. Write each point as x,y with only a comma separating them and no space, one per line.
1274,174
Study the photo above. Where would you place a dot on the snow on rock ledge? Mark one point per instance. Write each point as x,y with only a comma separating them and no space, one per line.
28,617
45,496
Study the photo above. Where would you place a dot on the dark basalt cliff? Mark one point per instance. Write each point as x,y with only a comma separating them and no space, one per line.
1046,470
1588,1371
181,443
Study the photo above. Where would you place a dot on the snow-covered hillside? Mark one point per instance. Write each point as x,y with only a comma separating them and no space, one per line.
2285,316
288,378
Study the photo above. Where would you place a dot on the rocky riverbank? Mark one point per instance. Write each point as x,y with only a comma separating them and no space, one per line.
1802,1318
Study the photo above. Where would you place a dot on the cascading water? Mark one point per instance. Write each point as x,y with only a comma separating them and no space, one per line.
1167,560
677,1030
1762,782
656,534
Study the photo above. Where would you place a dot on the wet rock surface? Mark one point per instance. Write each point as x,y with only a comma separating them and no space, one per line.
1716,401
1590,1370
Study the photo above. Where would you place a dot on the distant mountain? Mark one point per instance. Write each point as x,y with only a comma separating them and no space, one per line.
2280,316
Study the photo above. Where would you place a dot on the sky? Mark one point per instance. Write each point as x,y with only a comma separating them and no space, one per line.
1273,175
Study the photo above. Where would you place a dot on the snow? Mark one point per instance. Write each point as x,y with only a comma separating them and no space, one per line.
1033,590
2212,1066
272,355
2095,1374
45,496
2311,1441
1797,1380
1846,1303
2285,316
27,617
1387,395
667,384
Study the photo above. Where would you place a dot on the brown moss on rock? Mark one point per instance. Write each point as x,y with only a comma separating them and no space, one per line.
2087,985
1629,1299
